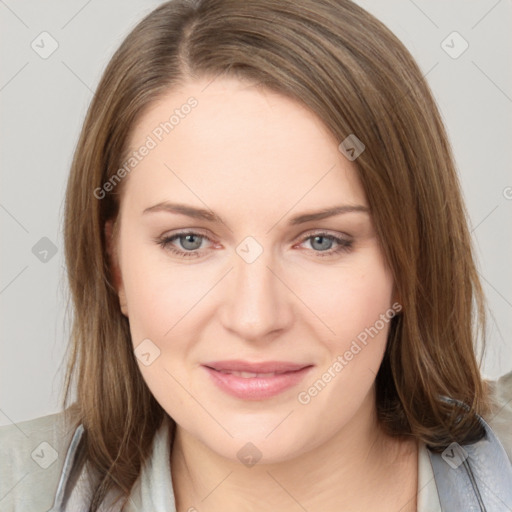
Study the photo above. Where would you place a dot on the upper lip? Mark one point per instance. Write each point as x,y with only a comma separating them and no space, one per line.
262,367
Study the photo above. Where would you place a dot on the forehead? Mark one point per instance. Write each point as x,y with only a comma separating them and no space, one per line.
238,146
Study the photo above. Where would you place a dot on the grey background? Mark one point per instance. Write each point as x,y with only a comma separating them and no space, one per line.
43,102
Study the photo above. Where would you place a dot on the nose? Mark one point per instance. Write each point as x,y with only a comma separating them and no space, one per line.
256,302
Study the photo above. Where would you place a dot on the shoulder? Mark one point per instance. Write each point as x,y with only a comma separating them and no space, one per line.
500,415
32,456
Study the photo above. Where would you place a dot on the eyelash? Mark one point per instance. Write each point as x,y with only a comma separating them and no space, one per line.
165,242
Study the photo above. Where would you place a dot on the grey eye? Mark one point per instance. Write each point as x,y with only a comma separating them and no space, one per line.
189,242
325,242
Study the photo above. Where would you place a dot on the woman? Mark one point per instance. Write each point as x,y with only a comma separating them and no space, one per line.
272,280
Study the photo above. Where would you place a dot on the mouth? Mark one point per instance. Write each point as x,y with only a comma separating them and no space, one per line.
255,381
249,375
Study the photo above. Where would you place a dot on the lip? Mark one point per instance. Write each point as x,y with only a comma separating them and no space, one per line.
238,365
273,377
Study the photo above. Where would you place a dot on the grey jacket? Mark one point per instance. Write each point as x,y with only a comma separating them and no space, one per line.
37,468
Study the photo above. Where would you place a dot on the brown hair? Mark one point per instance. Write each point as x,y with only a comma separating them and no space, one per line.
356,76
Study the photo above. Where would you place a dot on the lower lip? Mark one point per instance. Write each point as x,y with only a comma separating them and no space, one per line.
256,388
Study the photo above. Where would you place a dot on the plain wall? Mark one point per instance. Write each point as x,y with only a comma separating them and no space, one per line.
43,102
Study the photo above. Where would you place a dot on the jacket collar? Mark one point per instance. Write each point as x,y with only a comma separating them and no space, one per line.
151,491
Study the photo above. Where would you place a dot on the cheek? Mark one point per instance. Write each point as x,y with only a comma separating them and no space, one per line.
361,305
350,299
160,299
357,306
159,294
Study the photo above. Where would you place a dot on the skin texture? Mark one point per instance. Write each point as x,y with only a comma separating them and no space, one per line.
257,158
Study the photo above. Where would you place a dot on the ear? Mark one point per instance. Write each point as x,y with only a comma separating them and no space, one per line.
113,262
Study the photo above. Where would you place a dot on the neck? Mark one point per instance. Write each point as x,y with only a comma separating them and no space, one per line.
360,468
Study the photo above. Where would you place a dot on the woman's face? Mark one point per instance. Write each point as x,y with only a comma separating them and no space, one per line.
257,328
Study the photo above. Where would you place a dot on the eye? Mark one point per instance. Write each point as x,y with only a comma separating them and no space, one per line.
191,242
324,242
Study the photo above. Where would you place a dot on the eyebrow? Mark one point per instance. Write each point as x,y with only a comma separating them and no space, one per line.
208,215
